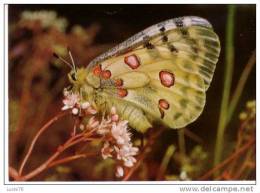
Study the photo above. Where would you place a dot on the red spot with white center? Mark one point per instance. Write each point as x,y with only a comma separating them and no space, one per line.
106,74
167,78
122,92
97,70
164,104
119,82
132,61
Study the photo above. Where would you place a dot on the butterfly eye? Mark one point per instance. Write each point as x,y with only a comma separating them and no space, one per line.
73,76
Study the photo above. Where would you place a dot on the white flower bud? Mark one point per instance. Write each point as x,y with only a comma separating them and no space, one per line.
113,110
81,127
65,107
85,105
75,111
128,163
119,172
184,176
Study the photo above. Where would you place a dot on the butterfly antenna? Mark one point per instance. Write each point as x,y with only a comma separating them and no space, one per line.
63,60
72,60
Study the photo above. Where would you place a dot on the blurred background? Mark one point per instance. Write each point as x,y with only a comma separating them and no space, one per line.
37,79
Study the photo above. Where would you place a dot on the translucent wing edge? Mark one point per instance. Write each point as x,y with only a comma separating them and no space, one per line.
144,35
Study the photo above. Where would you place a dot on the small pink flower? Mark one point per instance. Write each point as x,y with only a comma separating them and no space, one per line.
106,151
104,126
120,133
119,172
117,137
90,110
126,153
115,117
92,123
85,105
129,163
71,99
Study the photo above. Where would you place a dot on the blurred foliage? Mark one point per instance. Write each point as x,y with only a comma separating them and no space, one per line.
36,81
14,111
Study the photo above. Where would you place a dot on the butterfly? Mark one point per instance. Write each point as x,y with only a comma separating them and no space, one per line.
157,77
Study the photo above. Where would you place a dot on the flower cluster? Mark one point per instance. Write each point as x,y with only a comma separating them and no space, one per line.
118,143
248,120
249,111
184,176
74,102
117,138
47,19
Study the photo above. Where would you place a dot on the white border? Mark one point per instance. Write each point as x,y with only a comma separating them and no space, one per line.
135,2
2,54
139,183
109,186
6,91
257,99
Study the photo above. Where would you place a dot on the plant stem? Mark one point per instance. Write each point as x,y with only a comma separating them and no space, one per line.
181,141
244,166
227,84
51,161
241,84
38,134
13,173
193,136
70,158
240,134
228,160
166,159
41,167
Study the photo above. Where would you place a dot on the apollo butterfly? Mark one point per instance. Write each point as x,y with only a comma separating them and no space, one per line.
158,76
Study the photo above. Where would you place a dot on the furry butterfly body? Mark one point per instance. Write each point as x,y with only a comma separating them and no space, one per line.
157,77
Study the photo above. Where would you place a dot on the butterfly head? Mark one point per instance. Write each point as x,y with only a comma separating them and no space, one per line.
78,76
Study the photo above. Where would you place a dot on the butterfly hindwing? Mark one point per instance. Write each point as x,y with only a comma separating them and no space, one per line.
163,79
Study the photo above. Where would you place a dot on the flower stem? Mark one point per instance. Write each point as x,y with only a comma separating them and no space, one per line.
38,134
228,160
69,158
240,86
51,161
181,141
227,84
166,159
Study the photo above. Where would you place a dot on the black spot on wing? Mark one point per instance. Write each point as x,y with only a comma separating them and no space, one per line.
184,32
179,22
146,38
148,45
165,38
183,103
162,29
177,116
172,48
